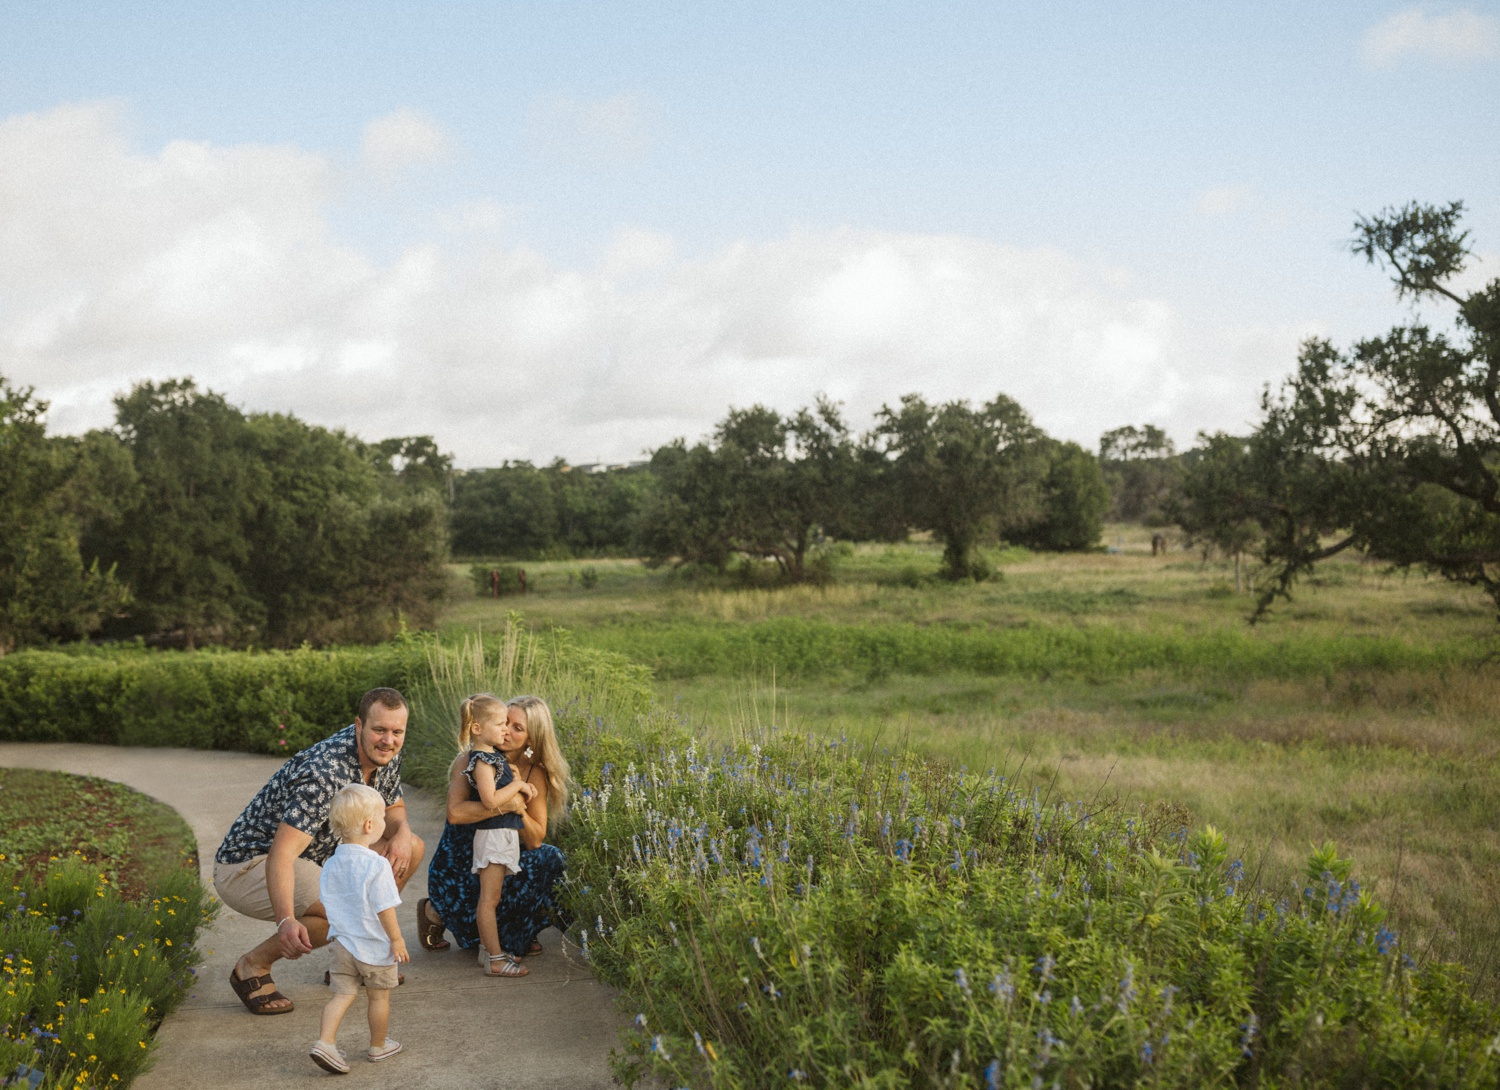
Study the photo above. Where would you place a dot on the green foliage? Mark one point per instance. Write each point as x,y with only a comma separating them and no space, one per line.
259,702
806,647
1142,470
526,513
264,530
787,910
965,474
87,974
766,488
134,839
46,590
1074,501
1391,446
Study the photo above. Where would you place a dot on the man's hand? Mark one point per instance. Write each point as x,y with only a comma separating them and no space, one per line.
293,938
398,948
397,851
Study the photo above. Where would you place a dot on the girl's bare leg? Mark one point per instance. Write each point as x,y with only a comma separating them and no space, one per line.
380,1015
491,884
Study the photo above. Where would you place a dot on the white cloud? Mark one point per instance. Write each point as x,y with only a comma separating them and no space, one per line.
1460,35
395,143
218,262
591,132
1224,200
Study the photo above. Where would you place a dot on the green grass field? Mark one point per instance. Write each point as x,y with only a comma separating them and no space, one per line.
1367,711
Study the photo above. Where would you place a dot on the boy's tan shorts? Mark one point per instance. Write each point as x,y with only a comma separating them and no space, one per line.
242,886
348,973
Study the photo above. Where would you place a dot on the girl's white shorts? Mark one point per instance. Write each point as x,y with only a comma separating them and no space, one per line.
501,846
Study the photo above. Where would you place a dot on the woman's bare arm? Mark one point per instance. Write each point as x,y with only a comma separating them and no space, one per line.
534,817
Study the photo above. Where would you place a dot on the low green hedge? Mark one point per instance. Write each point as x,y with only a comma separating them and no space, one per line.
255,701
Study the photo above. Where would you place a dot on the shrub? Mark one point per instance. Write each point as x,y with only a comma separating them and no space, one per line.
261,702
88,976
589,577
791,910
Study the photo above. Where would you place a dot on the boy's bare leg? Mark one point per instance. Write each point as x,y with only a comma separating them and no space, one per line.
333,1014
491,885
380,1015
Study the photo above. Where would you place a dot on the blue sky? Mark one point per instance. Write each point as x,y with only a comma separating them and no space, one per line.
611,221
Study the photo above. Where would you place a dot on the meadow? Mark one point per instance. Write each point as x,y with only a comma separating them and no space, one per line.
1363,712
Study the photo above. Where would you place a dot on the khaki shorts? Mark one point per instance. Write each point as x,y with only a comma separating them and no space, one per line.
348,973
242,886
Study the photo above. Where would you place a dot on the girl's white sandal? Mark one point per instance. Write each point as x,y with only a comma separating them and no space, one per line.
509,966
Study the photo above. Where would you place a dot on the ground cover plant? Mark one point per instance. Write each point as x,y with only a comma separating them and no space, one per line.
136,841
89,963
1390,760
781,908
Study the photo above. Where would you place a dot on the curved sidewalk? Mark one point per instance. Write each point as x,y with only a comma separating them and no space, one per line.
554,1028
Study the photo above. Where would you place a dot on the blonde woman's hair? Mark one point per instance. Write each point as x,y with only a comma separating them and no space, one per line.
542,738
351,806
476,709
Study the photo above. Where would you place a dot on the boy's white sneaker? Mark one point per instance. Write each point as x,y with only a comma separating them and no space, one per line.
392,1046
330,1058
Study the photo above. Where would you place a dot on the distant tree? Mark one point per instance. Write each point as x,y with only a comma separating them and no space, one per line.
46,590
182,546
258,529
1074,500
416,462
766,487
1392,446
509,511
965,474
1142,470
596,511
1220,503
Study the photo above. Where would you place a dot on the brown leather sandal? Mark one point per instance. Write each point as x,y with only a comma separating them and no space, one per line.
256,1004
429,934
534,949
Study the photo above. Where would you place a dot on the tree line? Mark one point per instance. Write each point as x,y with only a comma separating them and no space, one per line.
193,522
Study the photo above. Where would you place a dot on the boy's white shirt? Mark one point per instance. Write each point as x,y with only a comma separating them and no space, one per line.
355,887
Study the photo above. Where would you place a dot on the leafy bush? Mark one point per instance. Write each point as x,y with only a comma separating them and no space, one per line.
260,702
88,975
792,911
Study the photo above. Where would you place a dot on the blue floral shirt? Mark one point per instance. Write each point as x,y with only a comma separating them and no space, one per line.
299,794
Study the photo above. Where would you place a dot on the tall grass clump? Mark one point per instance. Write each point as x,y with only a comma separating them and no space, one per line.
87,975
781,910
579,684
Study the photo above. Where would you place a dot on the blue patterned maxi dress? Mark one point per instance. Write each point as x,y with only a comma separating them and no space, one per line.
528,903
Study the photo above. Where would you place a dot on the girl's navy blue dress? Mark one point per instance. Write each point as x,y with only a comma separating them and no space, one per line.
528,902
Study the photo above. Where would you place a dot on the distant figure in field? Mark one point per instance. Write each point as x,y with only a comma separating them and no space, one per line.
1158,544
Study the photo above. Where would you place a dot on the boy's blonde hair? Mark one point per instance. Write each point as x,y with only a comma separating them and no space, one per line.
351,806
479,708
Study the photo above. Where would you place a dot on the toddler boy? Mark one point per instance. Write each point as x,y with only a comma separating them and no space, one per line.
359,894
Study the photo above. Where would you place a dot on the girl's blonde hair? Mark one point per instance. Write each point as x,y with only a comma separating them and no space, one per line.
476,709
351,806
542,738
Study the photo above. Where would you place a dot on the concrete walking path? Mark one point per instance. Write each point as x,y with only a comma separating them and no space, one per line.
553,1028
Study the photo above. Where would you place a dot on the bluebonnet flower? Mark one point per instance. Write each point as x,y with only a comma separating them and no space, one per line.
1247,1038
961,978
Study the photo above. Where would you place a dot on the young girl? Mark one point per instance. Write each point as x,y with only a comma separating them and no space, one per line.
483,731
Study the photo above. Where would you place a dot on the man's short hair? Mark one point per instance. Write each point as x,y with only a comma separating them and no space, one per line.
351,806
386,698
